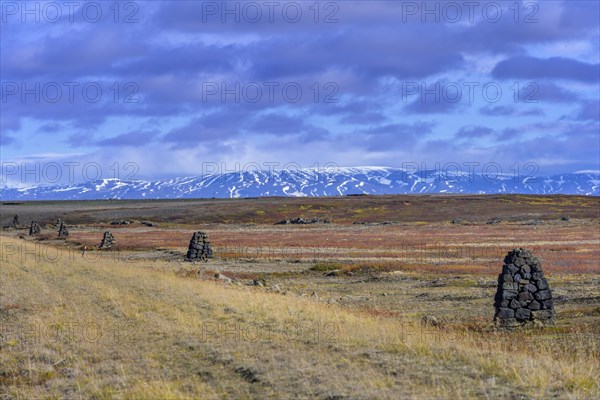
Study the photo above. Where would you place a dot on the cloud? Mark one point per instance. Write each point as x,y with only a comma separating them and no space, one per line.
214,127
51,127
589,111
277,124
6,139
395,136
508,134
474,132
546,92
528,67
368,54
134,138
501,111
436,98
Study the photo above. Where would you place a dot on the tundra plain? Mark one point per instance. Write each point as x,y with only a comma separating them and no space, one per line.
391,299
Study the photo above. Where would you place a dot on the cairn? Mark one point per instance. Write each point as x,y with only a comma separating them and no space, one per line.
199,248
523,294
15,221
63,232
35,229
108,240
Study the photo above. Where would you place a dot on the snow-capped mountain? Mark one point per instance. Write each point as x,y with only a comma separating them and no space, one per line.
312,182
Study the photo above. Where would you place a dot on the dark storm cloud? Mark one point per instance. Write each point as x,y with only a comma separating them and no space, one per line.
533,112
71,55
134,138
395,136
508,134
49,128
473,132
376,46
589,111
367,118
190,59
543,92
6,139
526,22
217,126
497,110
527,67
174,52
433,99
277,124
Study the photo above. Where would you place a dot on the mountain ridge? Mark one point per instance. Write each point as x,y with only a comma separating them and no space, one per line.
314,182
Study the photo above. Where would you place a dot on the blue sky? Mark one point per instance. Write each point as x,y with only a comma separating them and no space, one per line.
171,87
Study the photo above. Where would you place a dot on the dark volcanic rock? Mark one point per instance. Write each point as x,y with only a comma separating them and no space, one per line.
199,248
523,314
505,313
63,232
35,229
523,292
108,240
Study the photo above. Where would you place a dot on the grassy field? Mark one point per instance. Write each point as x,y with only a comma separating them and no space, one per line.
338,313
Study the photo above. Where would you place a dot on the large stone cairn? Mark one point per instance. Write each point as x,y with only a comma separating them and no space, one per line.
108,240
35,229
63,232
523,293
199,248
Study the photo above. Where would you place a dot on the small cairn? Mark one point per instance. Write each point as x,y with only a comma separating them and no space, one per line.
15,221
199,248
35,229
63,232
523,294
108,240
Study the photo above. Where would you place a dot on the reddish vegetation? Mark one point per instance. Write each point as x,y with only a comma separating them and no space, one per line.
433,247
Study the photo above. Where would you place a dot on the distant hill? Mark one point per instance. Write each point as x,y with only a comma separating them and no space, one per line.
312,182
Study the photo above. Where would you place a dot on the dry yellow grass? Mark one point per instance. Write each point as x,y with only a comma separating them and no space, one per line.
74,328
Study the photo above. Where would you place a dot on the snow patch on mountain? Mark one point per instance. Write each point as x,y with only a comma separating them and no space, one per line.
313,182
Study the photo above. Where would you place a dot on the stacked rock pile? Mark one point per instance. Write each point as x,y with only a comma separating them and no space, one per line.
122,222
15,221
63,232
302,221
35,229
523,292
199,248
108,240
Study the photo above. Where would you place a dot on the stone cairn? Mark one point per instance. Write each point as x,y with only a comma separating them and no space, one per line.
523,293
108,240
199,248
15,221
63,232
35,229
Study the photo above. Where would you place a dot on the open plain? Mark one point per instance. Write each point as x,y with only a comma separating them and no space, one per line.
391,298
